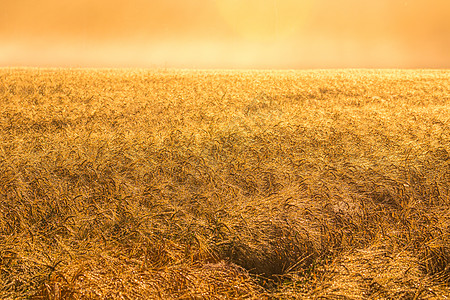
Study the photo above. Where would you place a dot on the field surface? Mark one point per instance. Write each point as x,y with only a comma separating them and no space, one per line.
133,184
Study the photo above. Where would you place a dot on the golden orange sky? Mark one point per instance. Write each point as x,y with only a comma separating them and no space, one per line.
226,33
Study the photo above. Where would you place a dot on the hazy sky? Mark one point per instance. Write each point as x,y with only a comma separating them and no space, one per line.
225,33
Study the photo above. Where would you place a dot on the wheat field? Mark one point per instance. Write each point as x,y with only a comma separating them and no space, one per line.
177,184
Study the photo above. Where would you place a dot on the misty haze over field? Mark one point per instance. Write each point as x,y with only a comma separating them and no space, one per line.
226,33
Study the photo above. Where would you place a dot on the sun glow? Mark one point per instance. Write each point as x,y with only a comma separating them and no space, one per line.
265,20
226,33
